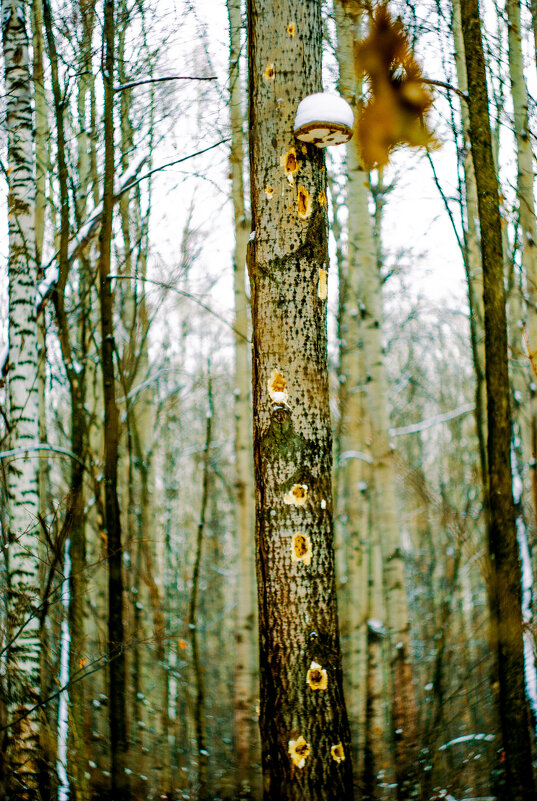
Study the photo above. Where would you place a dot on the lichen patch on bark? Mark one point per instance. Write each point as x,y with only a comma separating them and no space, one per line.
303,203
322,198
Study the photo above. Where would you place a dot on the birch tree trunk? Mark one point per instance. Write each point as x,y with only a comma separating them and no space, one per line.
22,479
526,204
368,306
505,590
245,736
472,254
304,729
354,471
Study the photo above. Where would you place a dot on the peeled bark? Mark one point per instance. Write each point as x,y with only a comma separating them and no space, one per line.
504,589
306,750
22,478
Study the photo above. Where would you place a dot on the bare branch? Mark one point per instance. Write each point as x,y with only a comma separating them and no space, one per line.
121,87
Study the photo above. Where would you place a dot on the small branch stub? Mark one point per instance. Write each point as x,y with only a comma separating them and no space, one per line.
299,751
324,119
317,677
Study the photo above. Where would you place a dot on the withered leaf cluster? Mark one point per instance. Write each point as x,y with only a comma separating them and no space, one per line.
394,114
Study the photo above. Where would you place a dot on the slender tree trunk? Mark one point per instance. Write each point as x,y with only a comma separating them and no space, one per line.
505,591
74,525
245,735
199,704
306,749
22,480
472,254
354,471
48,743
116,654
526,208
365,252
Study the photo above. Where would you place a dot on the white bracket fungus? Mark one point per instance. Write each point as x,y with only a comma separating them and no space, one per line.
324,119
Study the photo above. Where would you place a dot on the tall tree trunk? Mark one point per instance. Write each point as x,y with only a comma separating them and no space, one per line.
199,703
245,736
306,749
526,207
364,254
48,744
116,654
22,479
74,525
505,590
472,254
353,469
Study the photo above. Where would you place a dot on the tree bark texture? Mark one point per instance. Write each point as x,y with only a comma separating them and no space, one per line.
22,481
505,590
304,728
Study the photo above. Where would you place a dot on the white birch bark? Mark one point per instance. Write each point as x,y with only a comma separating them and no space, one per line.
362,247
354,437
23,496
526,203
245,614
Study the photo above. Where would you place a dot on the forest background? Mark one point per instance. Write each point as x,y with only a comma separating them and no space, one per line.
129,632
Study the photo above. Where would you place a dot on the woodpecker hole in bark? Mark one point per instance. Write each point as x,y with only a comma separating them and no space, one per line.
289,163
269,191
303,204
301,549
291,29
323,287
277,387
269,72
299,751
338,754
317,677
297,495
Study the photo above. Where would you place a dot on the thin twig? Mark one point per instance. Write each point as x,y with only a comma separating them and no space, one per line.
183,294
